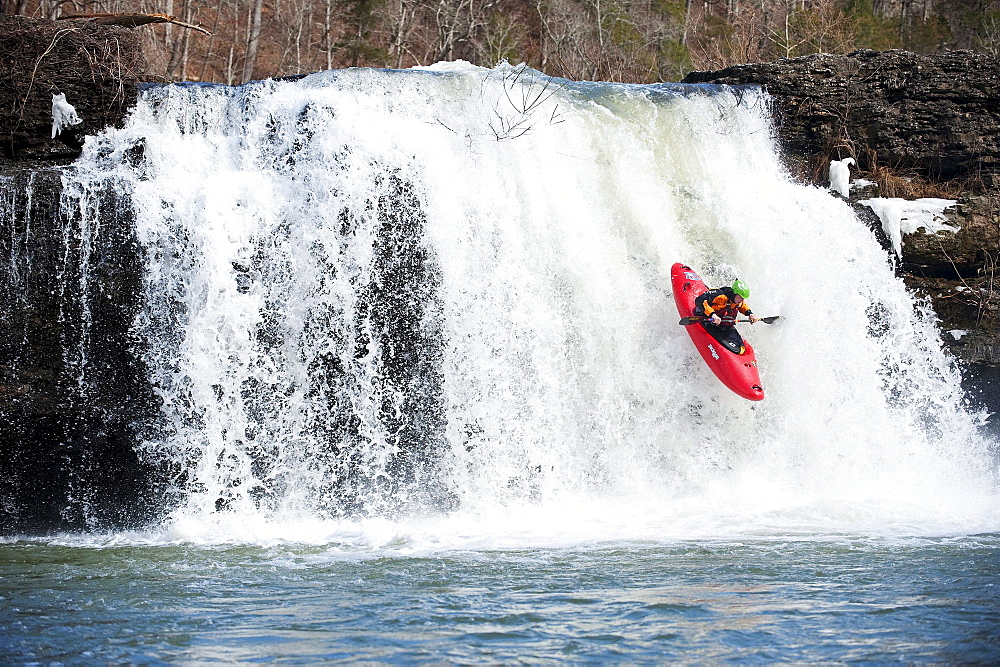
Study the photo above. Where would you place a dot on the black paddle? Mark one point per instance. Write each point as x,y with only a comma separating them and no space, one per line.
695,319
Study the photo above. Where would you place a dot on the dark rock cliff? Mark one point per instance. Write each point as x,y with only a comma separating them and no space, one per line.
918,126
96,67
936,115
72,391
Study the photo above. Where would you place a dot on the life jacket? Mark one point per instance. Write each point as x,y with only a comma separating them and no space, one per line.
720,302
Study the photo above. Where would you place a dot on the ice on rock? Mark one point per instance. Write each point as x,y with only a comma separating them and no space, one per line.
840,176
63,114
907,216
890,212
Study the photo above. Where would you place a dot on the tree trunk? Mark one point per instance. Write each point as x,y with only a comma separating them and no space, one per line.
253,39
328,32
12,6
687,20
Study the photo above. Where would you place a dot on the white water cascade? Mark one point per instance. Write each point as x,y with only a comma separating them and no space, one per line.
432,307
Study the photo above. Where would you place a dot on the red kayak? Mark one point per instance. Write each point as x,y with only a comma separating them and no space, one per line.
729,356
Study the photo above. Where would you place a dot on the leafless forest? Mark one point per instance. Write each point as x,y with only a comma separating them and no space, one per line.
614,40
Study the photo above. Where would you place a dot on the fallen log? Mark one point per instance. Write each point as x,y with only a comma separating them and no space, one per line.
133,20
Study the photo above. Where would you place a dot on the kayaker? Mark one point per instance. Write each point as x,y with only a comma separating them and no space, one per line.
723,305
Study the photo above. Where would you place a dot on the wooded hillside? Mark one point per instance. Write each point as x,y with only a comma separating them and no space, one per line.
636,41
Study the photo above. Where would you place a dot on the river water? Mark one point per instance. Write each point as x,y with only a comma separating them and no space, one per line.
424,397
822,599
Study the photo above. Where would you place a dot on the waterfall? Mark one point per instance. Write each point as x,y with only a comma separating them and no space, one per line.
445,292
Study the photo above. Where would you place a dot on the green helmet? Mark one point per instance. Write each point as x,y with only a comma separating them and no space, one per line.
740,287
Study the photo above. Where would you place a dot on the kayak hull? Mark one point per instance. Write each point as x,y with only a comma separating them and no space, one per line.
737,371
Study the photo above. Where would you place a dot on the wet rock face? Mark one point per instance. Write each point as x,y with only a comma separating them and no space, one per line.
967,254
958,272
96,67
76,403
937,115
73,395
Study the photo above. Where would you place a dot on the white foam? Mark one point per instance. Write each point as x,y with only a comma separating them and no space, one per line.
575,409
449,66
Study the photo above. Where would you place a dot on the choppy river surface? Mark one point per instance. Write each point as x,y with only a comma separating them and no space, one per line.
830,599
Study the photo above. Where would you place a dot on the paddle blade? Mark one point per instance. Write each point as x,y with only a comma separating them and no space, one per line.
695,319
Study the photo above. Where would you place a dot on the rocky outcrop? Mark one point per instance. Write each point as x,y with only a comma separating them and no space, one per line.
96,67
938,116
918,126
965,254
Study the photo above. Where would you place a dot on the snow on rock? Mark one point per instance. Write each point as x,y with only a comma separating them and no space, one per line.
63,114
958,333
840,176
860,183
905,216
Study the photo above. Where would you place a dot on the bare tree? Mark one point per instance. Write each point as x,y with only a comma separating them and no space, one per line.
456,24
619,40
253,39
501,41
14,7
401,18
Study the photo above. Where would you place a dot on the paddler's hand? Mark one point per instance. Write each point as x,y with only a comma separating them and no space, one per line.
715,319
754,319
